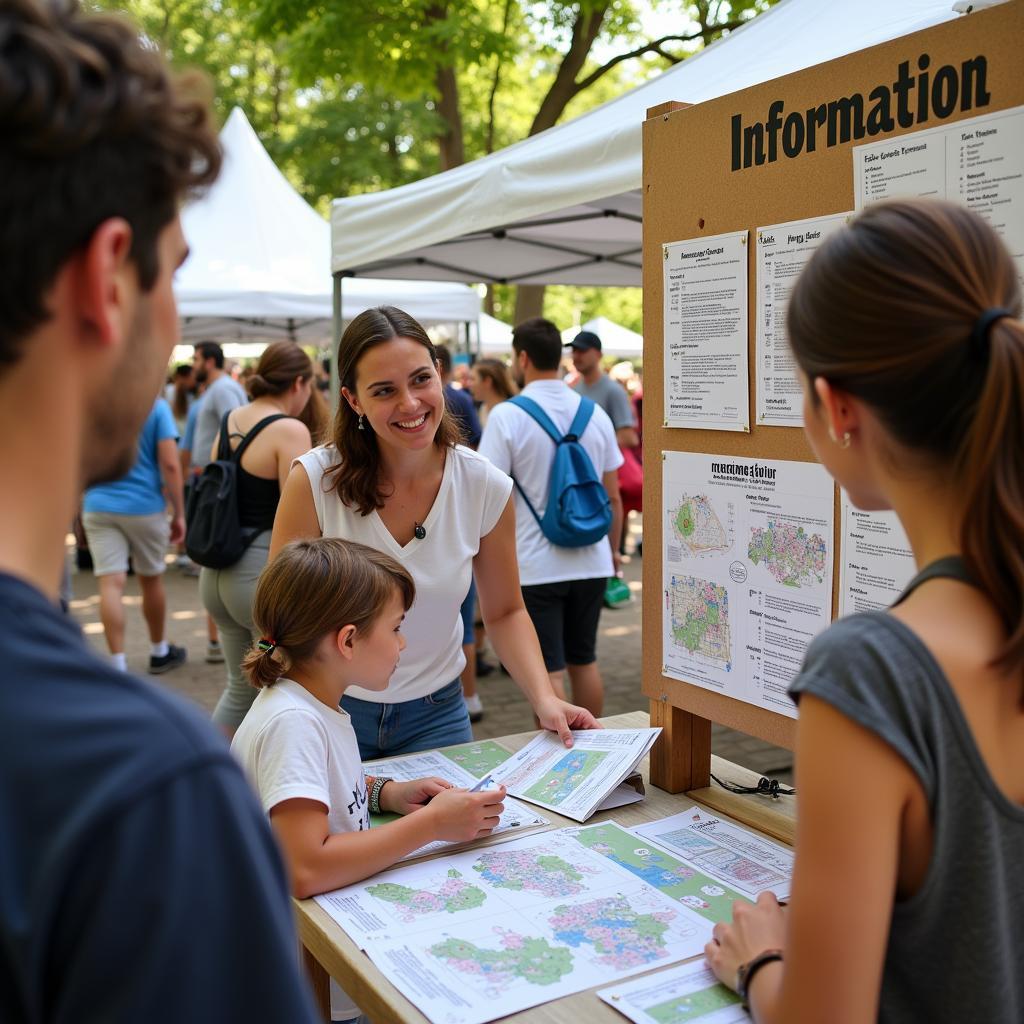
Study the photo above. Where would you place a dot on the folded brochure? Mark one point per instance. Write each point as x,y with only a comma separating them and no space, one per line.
598,771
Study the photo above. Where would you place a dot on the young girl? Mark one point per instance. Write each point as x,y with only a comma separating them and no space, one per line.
908,893
330,612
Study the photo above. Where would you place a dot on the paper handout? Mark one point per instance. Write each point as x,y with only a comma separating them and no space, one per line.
576,782
515,819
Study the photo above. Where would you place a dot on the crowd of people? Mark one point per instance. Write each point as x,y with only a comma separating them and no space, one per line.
147,865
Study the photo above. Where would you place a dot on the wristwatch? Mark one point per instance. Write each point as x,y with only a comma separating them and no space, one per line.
745,973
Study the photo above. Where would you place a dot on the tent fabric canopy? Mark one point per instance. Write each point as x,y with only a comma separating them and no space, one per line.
258,263
564,206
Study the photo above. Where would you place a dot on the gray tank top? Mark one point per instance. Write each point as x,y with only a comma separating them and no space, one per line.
956,947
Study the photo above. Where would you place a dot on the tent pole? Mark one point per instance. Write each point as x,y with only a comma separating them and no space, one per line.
335,344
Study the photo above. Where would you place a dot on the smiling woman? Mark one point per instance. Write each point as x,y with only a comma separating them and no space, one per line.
396,478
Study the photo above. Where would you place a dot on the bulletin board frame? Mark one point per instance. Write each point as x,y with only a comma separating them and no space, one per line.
693,188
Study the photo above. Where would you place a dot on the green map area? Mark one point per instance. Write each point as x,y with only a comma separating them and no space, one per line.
479,759
529,871
522,959
566,776
453,895
791,555
708,897
693,1006
700,618
697,525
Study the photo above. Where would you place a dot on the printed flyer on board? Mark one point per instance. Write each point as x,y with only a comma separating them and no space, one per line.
706,372
783,250
876,560
747,563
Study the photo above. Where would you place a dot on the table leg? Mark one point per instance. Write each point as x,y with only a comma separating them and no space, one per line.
320,982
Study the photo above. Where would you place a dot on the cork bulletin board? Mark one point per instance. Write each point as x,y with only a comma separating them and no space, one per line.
744,161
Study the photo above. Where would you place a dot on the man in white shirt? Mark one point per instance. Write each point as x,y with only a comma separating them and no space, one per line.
563,587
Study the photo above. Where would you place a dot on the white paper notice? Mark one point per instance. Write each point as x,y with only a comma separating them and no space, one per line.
978,162
747,563
516,819
741,859
475,936
706,375
574,782
687,994
782,252
877,562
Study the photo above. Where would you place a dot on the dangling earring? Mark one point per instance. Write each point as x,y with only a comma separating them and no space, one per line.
845,443
362,425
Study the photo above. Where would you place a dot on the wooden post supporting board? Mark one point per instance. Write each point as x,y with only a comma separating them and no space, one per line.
779,152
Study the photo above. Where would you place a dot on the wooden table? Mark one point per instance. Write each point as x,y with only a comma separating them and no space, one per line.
328,952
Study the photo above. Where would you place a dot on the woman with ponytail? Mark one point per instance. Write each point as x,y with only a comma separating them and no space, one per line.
288,412
908,892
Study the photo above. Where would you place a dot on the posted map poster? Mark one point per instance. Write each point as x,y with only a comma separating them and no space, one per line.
706,373
782,252
743,859
475,936
687,994
877,562
976,162
747,563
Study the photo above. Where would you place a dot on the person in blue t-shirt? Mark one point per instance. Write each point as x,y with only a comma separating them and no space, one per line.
139,880
128,518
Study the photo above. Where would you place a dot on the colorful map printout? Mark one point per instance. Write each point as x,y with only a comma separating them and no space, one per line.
479,759
473,936
565,777
687,994
747,571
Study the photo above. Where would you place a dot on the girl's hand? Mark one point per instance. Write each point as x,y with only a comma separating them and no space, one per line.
753,930
406,797
460,815
557,715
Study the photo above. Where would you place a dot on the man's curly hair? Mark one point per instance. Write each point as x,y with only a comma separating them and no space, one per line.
93,126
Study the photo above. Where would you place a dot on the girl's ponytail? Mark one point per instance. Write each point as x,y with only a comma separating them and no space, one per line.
991,468
265,663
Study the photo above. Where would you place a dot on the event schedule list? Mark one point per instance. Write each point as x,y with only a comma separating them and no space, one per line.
976,162
747,564
705,344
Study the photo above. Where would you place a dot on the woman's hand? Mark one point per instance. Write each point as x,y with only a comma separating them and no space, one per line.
406,797
557,715
753,930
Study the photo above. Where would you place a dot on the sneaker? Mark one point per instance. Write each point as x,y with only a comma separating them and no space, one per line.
174,657
214,653
483,668
190,569
474,707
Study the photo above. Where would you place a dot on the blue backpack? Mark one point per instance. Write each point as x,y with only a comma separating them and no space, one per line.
578,511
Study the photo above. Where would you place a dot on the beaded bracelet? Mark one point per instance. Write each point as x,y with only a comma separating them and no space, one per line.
379,782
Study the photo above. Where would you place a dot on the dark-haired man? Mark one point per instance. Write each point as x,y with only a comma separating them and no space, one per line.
563,588
222,394
139,880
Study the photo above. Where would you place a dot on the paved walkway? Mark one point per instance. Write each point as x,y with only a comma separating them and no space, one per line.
506,712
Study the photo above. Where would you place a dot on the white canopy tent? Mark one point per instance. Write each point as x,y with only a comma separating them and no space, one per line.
564,207
258,260
616,340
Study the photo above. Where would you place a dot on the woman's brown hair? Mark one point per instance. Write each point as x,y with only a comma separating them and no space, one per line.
497,373
357,473
314,587
280,366
888,311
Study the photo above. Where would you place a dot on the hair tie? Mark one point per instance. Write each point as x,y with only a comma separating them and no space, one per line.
266,646
979,340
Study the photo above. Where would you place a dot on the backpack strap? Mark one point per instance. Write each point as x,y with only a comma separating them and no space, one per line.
582,417
224,446
535,412
236,455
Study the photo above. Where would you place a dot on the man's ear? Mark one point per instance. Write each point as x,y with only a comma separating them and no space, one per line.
106,284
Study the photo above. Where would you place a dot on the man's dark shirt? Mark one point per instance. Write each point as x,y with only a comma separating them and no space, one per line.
139,881
461,406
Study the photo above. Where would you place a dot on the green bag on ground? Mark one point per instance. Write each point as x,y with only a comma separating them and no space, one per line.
616,593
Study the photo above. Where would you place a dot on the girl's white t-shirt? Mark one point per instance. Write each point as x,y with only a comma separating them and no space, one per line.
472,496
292,746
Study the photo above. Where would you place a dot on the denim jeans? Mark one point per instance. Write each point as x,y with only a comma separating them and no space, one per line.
438,720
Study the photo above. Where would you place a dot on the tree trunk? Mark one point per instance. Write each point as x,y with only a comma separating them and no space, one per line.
453,152
529,302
